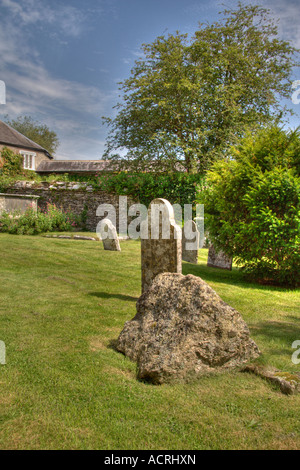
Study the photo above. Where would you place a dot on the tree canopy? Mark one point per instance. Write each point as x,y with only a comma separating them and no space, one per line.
187,100
39,133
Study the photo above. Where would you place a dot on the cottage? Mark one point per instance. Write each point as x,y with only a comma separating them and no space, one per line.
33,154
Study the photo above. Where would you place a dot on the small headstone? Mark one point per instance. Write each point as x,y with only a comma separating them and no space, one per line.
108,235
190,242
218,259
160,242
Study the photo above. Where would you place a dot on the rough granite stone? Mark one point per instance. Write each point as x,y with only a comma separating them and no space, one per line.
183,329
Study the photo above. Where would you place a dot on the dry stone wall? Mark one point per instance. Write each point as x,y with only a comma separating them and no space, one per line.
70,197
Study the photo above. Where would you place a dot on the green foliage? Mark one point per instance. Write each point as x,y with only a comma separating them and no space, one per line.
38,133
11,163
178,188
188,100
270,147
6,182
83,218
252,206
51,219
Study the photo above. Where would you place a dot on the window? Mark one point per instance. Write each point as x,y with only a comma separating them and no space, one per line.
29,160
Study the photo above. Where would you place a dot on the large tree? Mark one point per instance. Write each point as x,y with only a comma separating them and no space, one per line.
39,133
187,100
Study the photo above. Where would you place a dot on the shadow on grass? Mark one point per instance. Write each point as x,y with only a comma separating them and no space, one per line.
113,345
224,276
105,295
287,333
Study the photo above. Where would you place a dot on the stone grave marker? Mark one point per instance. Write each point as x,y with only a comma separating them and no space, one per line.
218,259
108,235
190,242
160,242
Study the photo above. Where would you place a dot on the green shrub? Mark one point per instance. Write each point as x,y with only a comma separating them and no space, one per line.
51,219
178,188
252,207
11,162
5,182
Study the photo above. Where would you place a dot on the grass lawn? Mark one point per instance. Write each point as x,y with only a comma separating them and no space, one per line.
63,305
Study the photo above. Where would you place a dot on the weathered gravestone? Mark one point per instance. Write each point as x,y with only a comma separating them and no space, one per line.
190,242
160,242
218,259
183,329
12,203
108,235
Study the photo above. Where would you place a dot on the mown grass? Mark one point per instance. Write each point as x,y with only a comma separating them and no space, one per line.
63,305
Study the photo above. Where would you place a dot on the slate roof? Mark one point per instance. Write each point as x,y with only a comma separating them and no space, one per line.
73,166
9,136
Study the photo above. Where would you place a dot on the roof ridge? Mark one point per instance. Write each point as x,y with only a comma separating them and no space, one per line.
18,139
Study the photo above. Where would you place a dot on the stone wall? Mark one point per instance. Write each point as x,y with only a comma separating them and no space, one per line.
70,197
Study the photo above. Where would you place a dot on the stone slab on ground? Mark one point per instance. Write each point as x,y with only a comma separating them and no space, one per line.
289,383
81,237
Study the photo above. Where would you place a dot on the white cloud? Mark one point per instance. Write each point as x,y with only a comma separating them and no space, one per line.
68,19
67,106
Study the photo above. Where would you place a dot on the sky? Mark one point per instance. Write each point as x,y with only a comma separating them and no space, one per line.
61,61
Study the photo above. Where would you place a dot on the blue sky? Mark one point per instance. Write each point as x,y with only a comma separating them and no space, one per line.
61,61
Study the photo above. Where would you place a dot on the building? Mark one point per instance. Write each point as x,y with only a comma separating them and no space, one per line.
33,154
78,167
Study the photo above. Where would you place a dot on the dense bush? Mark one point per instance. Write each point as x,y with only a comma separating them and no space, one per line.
10,162
178,188
31,223
252,206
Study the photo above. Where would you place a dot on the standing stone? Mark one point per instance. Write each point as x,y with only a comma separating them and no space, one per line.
190,242
160,242
182,330
218,259
108,235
